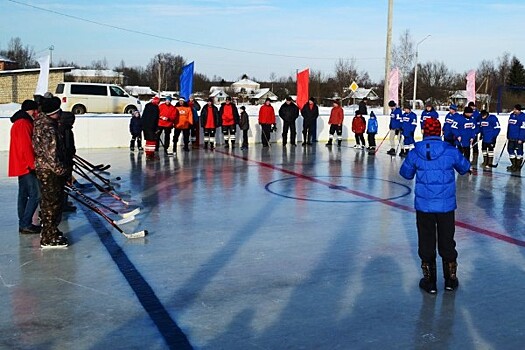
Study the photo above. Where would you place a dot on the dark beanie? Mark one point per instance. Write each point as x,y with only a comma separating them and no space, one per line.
28,105
51,105
468,110
392,103
431,127
518,107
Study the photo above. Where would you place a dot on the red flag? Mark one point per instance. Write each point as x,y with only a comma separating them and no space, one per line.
303,78
471,86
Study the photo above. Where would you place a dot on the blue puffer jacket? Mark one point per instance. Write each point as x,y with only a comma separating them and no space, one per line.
433,162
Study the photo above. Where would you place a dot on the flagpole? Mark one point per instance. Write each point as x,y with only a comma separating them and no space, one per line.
388,55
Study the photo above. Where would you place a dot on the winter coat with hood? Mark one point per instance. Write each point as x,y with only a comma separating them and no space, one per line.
289,112
49,146
21,153
310,112
214,115
433,162
337,115
150,121
358,124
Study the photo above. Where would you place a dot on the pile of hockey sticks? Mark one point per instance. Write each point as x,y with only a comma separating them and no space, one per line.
93,174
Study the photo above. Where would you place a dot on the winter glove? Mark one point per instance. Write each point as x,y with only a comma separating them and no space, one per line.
274,128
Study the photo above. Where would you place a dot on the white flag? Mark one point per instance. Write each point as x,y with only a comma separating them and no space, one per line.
471,86
43,78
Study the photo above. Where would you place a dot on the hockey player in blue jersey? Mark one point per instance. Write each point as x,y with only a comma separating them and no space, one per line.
516,137
428,112
464,131
396,120
447,125
477,121
489,129
408,126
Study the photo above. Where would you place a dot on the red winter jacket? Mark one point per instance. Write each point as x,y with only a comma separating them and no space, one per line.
336,116
21,154
266,114
167,115
358,125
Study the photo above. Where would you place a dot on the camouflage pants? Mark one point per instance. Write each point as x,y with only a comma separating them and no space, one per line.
52,187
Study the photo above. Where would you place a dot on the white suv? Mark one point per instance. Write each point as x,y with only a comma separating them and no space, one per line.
81,98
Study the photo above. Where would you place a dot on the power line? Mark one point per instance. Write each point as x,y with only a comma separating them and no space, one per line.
172,38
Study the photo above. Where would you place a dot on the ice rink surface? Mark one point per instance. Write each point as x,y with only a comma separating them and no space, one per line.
280,248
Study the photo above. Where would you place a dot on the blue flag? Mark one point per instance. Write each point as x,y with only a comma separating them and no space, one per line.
186,81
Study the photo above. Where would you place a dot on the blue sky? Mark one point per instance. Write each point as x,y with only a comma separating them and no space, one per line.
316,33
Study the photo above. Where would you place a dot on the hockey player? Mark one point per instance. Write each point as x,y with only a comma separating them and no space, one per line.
476,116
183,124
433,163
210,121
489,131
464,131
428,112
150,120
396,120
267,122
229,120
515,137
450,118
167,116
336,124
408,127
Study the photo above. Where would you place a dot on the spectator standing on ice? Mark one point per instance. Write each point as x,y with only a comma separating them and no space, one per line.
22,165
450,119
489,131
408,126
135,129
150,121
309,112
464,131
358,128
428,112
195,129
433,162
229,120
371,129
289,112
167,116
336,123
51,171
515,138
183,124
396,119
210,121
244,125
267,122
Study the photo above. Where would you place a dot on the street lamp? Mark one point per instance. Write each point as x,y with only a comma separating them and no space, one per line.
415,73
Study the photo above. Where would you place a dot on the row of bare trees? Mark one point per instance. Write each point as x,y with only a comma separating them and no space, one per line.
436,81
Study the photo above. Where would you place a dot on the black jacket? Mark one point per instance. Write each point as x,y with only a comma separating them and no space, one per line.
309,115
135,125
65,127
362,108
289,112
244,124
150,120
204,115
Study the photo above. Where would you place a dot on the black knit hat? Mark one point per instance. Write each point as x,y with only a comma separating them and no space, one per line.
51,105
28,105
518,107
468,110
392,103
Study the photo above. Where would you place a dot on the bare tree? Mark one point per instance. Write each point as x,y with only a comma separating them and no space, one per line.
164,71
23,56
403,56
345,73
435,82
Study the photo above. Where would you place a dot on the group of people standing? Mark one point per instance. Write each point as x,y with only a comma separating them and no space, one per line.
41,155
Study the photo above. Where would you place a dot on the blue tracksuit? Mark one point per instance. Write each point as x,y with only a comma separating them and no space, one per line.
489,129
464,130
447,127
409,127
396,119
476,115
516,127
428,114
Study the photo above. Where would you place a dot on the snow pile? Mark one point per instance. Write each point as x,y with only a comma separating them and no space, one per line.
8,109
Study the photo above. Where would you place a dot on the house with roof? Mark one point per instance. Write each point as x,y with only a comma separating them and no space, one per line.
260,96
459,98
359,94
7,64
218,95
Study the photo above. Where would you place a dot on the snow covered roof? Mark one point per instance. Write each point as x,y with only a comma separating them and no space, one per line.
246,84
361,93
5,59
217,88
218,93
30,70
139,90
462,94
94,73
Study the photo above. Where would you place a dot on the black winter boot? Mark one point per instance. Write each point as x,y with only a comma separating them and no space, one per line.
428,282
329,143
391,152
485,160
449,272
132,145
513,164
339,142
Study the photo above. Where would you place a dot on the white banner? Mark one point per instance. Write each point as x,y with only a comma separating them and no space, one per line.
43,78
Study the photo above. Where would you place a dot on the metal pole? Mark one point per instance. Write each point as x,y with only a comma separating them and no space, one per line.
51,48
415,73
388,55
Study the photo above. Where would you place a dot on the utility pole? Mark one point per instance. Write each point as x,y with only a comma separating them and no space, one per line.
160,69
51,48
415,73
388,55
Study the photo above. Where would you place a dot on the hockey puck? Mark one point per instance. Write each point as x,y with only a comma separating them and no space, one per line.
117,178
146,232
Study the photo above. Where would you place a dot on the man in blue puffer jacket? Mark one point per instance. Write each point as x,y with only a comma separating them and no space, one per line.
433,162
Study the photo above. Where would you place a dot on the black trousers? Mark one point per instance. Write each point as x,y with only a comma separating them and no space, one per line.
293,132
440,226
266,130
167,133
360,139
185,137
465,151
371,139
245,138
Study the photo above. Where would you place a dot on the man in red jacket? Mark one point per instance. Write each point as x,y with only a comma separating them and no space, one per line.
167,115
22,165
266,121
336,123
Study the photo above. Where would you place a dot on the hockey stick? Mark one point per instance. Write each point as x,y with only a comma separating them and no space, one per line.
266,137
501,154
106,181
384,138
99,167
99,187
128,214
93,208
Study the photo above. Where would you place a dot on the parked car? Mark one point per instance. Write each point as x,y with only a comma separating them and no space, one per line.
81,98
